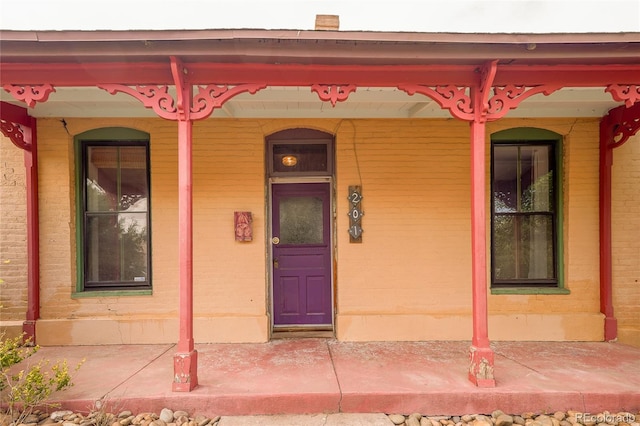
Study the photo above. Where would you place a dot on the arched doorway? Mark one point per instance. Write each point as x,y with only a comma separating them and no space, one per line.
300,184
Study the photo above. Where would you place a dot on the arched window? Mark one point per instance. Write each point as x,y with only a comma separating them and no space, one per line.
526,209
113,210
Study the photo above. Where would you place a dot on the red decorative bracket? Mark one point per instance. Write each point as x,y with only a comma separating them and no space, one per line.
458,101
204,102
30,94
183,91
629,94
14,132
509,97
620,124
213,96
487,77
154,97
184,106
455,99
481,106
333,93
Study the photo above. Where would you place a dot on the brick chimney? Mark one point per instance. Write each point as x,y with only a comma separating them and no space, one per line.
327,22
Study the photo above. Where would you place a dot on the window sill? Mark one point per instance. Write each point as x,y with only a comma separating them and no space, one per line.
110,293
530,290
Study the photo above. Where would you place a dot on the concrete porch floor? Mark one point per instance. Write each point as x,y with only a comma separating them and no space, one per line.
294,376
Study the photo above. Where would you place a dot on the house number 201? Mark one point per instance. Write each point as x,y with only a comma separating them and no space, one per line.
355,214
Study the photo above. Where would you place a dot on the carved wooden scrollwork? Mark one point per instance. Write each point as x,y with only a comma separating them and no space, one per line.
153,97
213,96
14,132
458,101
162,102
30,94
620,124
510,96
455,99
629,94
333,93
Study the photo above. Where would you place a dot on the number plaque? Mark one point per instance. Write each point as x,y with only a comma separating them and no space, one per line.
355,214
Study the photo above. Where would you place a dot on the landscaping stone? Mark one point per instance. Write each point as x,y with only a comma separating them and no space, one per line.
503,419
183,418
166,415
397,419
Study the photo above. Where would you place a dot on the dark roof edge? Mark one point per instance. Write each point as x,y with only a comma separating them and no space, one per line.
369,36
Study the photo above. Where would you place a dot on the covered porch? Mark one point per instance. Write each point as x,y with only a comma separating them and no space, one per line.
187,80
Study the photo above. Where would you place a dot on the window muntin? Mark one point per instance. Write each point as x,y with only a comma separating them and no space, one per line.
524,214
116,225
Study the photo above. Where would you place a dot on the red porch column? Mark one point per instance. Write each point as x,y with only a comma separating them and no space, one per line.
606,275
185,361
20,128
481,355
616,128
33,233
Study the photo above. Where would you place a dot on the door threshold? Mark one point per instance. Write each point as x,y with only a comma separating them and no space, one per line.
302,333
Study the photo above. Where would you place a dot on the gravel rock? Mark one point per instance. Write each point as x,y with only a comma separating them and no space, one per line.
397,419
499,418
166,415
504,420
413,421
56,416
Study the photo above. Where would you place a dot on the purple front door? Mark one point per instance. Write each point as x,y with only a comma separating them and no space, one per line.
301,254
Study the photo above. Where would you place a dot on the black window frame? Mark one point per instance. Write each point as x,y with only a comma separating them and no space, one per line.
120,285
555,162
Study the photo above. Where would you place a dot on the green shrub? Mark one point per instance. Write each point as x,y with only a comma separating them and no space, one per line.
25,389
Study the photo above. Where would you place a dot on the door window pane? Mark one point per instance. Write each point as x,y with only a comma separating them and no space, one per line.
301,220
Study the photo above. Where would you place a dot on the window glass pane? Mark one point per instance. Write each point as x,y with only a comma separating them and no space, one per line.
300,158
117,247
116,244
536,247
523,247
536,178
133,178
505,178
301,220
133,245
523,240
102,178
505,245
102,248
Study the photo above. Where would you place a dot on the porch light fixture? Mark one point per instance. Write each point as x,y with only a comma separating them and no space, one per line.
289,160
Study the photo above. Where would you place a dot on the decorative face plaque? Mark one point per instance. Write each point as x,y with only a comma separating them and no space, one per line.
355,214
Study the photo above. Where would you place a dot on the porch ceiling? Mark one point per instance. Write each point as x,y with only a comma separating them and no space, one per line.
300,102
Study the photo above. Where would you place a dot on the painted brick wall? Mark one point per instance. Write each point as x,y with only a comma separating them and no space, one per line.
626,240
229,276
409,279
13,237
415,258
